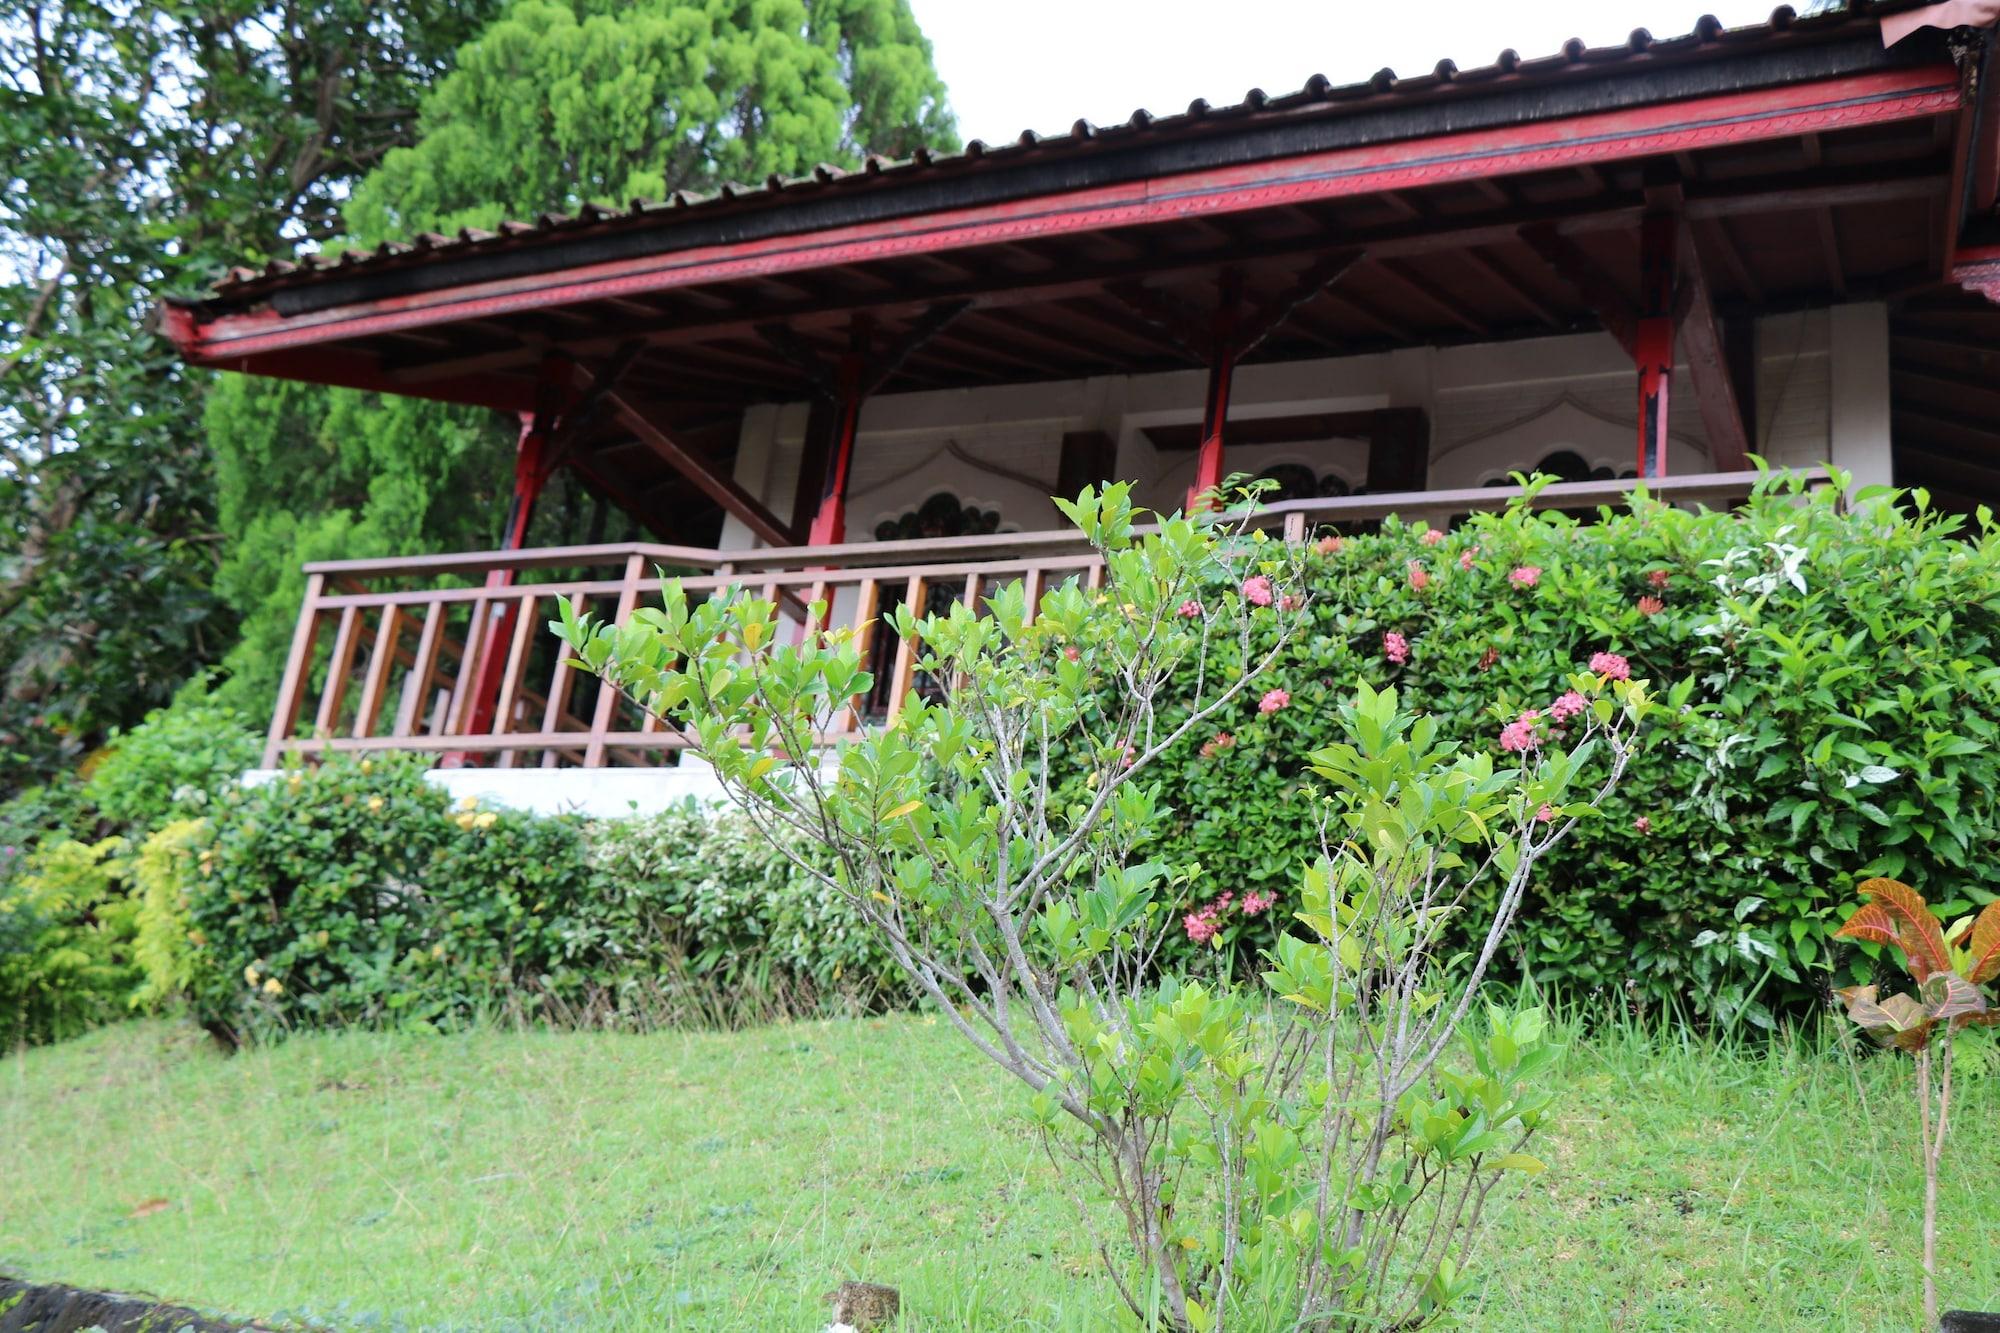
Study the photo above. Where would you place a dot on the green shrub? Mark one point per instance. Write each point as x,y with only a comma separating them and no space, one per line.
171,764
311,903
356,893
711,894
1839,694
56,809
66,942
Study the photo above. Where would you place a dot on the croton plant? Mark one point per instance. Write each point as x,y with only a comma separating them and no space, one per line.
1949,967
1953,970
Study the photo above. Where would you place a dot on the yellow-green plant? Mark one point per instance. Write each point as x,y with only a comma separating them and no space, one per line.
1951,968
66,933
162,874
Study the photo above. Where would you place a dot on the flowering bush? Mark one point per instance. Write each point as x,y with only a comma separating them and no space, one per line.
1836,713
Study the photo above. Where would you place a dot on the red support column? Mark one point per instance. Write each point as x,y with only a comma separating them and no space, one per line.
1653,346
829,525
1214,415
1215,403
531,474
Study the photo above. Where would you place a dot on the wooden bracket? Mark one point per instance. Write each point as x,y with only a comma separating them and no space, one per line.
700,470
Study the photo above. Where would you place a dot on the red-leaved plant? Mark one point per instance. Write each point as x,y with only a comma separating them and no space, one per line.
1949,967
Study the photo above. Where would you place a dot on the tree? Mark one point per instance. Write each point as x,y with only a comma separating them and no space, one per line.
555,105
1314,1152
147,146
638,101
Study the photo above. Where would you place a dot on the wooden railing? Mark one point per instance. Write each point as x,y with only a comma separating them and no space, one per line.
449,654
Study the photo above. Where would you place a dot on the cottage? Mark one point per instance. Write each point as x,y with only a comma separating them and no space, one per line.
1656,260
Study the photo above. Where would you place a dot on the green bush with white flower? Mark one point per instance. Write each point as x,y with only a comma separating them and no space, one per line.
1834,691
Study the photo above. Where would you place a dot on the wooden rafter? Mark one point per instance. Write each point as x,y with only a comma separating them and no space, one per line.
884,364
1278,309
1370,313
1708,363
1566,258
1829,248
1191,329
957,279
1517,292
1453,311
700,470
1724,246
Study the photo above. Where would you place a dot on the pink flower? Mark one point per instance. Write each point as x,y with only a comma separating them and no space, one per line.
1419,577
1273,701
1328,545
1651,606
1289,603
1547,814
1222,741
1072,654
1257,590
1568,706
1395,647
1643,824
1200,926
1190,609
1526,576
1130,756
1255,903
1465,558
1432,536
1658,578
1610,664
1518,736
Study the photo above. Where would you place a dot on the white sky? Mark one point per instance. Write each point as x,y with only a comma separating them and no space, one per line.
1040,64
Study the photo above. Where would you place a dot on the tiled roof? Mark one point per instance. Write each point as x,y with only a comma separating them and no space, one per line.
1319,96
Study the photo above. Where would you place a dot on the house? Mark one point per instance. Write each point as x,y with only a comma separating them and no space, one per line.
1659,258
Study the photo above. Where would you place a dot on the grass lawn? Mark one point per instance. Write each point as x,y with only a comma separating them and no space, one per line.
538,1180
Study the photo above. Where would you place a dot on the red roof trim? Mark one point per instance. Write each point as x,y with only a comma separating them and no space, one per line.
1583,140
1707,39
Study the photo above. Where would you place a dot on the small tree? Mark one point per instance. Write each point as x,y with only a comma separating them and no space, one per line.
1301,1150
1949,968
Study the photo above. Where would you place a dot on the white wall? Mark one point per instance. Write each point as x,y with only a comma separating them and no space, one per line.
1858,404
1494,408
600,793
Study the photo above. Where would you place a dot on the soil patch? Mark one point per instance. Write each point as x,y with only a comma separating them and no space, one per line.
26,1307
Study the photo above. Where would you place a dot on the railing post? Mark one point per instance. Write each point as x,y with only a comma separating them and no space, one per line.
291,691
607,697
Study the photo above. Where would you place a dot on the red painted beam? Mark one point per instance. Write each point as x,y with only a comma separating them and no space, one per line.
1654,347
1214,419
533,462
1226,336
1891,95
829,525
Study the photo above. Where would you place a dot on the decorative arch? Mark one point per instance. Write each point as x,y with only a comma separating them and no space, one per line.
1564,426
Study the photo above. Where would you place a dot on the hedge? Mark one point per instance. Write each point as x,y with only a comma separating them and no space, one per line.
1837,682
1833,673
